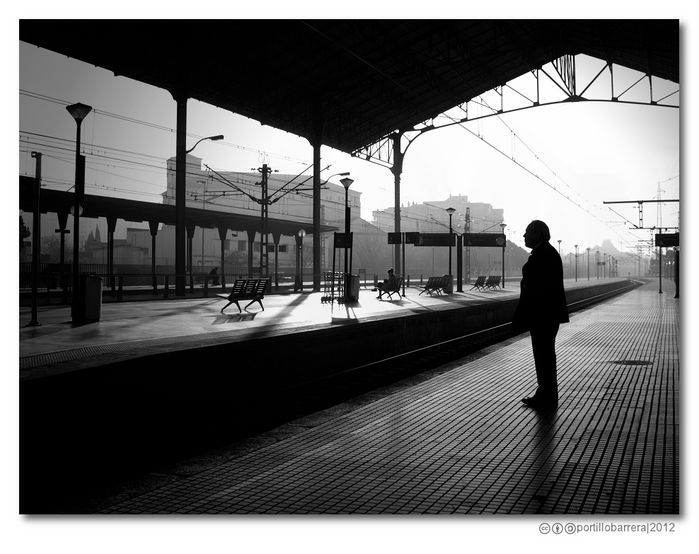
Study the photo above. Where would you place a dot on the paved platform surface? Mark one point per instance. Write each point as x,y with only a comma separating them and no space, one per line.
459,441
134,328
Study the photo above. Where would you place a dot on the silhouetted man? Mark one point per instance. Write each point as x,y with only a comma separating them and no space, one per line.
541,309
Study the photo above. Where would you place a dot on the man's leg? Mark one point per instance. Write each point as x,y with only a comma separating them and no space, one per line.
544,349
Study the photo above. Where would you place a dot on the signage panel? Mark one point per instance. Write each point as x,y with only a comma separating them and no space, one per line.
667,239
343,240
484,239
437,239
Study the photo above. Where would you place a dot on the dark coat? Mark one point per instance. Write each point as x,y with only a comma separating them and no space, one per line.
542,299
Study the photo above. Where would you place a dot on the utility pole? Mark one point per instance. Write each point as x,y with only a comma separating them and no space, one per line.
265,170
467,230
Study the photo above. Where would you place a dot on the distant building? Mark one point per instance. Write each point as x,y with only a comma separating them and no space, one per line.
431,217
291,199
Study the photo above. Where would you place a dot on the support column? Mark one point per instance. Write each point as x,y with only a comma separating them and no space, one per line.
297,277
190,235
397,169
459,263
153,226
180,192
36,239
316,142
111,227
251,248
222,232
677,272
62,223
276,237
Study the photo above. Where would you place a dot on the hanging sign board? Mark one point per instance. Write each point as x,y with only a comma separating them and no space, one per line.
343,240
484,239
394,238
667,239
437,239
412,238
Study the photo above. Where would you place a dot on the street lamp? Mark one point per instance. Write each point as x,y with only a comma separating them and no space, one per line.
504,242
299,241
214,137
588,263
576,263
347,182
559,247
450,211
78,112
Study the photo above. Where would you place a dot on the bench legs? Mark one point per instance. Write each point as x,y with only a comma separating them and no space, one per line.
253,301
232,302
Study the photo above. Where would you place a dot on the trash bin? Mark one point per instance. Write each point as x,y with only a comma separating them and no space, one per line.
91,297
351,288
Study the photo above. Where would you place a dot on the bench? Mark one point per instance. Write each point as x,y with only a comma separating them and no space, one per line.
393,290
435,285
480,283
246,289
493,282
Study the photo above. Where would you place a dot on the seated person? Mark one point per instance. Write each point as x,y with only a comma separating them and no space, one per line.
213,276
388,284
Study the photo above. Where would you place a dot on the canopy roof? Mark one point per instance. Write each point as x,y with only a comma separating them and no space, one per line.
347,83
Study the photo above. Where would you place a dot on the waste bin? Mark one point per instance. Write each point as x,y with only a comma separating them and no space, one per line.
88,305
351,288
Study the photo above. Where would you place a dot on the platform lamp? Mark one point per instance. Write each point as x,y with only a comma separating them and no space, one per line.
504,242
588,263
214,137
450,211
301,233
576,263
78,112
347,183
559,246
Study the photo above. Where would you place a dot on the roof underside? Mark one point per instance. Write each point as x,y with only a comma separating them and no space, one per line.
347,83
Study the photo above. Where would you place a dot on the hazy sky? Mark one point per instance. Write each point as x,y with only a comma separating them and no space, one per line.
591,152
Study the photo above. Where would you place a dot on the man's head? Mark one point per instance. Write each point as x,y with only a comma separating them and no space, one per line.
390,271
536,233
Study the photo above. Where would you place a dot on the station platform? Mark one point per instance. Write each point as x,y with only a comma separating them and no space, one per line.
461,441
140,327
452,440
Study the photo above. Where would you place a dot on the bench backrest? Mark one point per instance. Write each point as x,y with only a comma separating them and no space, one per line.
238,286
480,281
261,286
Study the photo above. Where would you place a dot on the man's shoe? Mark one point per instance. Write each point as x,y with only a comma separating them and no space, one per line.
540,403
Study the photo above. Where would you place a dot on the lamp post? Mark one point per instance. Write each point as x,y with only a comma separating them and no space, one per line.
559,247
588,263
78,112
300,235
504,242
347,182
576,263
213,137
180,194
450,211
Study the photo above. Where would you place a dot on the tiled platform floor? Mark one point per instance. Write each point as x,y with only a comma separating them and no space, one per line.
462,442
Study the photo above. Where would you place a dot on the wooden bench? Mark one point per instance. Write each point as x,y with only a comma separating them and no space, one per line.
493,282
247,289
435,285
480,283
393,290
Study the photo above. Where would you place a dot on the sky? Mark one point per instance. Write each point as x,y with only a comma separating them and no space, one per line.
556,163
598,152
